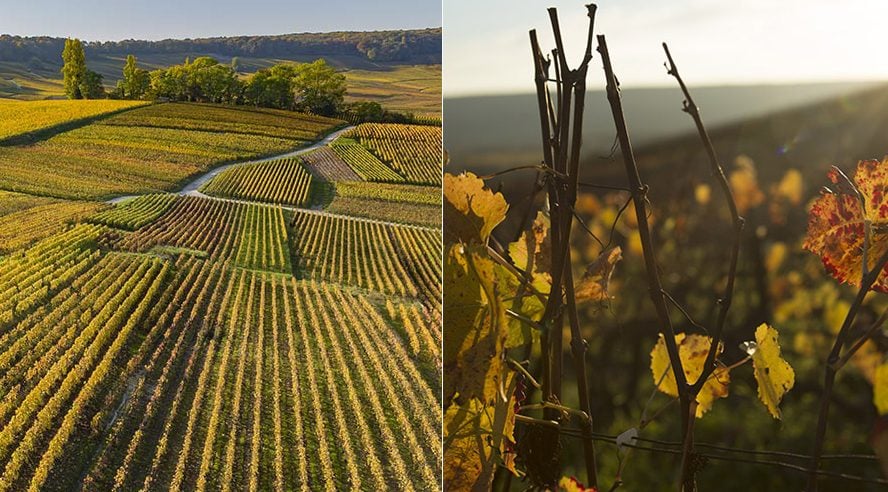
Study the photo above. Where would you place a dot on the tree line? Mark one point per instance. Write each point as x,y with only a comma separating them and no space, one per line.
420,46
310,87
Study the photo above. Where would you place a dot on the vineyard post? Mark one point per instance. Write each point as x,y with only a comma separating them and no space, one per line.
562,140
655,287
834,362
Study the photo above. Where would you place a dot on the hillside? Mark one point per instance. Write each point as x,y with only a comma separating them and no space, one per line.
475,137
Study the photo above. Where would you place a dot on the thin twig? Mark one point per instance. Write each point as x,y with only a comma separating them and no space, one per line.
860,341
724,302
639,192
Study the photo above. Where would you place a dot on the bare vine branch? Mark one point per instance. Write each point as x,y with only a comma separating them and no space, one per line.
724,303
655,285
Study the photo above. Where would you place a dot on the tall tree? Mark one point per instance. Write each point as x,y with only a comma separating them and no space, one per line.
319,89
74,68
91,86
135,80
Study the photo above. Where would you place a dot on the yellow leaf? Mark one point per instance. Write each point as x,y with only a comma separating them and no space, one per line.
471,211
880,388
692,350
477,438
775,256
702,193
571,484
773,374
744,184
791,187
474,335
533,252
593,286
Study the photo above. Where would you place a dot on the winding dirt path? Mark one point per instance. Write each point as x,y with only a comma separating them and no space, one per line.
193,187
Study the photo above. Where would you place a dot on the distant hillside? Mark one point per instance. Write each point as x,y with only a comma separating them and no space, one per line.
488,133
408,47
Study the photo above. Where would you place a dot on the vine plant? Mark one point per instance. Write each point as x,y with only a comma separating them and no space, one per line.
502,298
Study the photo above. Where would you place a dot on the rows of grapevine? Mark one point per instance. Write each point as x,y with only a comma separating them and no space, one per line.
414,151
20,228
135,213
391,202
420,251
262,243
253,235
363,162
324,163
152,148
362,253
29,277
282,181
245,360
420,326
57,394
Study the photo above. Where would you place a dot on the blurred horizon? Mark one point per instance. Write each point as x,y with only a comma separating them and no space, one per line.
714,42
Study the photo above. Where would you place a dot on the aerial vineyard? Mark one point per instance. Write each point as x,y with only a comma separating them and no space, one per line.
222,342
325,164
20,228
136,212
414,151
363,162
364,253
254,236
151,149
17,118
402,203
282,181
174,372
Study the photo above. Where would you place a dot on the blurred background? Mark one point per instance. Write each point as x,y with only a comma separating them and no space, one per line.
786,90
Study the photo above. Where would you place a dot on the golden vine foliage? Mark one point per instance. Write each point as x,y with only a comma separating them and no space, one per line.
470,211
773,374
692,350
880,388
479,406
838,223
595,281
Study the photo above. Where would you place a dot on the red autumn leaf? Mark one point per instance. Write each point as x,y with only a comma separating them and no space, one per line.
837,223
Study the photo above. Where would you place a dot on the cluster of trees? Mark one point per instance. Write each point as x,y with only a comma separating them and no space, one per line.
312,87
80,82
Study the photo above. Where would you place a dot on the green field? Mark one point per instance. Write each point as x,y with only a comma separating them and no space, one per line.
415,88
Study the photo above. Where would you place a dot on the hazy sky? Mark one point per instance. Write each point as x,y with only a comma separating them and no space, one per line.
158,19
487,49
